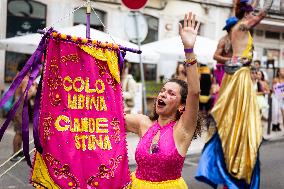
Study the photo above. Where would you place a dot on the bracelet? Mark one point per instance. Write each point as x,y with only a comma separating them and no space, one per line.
190,50
189,62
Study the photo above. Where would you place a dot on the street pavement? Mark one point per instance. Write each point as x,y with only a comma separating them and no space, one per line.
271,154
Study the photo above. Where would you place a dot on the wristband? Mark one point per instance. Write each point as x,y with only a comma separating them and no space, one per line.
190,50
189,62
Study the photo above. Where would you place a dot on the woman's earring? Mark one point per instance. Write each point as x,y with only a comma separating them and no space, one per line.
181,110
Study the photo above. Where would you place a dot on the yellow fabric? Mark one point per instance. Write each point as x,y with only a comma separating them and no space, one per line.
248,52
204,99
237,115
40,175
105,55
204,70
170,184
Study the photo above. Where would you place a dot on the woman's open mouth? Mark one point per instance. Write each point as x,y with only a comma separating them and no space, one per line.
161,103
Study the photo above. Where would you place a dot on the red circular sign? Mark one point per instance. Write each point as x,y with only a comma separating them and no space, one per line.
134,4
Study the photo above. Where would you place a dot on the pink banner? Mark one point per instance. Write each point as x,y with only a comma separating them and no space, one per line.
81,120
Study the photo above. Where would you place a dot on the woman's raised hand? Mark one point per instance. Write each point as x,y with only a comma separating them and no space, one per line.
188,31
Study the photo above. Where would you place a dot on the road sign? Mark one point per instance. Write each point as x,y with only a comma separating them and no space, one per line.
133,19
134,4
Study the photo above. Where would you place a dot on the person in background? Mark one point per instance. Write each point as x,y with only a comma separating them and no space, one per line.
17,121
128,89
263,94
205,98
259,90
224,49
277,102
257,65
180,72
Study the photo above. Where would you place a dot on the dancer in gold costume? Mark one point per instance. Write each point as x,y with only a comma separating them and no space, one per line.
230,157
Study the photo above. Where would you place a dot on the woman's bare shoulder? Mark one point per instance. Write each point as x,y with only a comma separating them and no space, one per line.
138,123
145,124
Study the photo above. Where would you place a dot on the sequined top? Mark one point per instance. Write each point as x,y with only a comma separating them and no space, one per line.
166,163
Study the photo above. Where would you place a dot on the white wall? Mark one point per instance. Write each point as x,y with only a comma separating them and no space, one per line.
3,18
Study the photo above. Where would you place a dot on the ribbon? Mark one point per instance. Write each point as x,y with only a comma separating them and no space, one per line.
36,118
25,114
34,62
121,60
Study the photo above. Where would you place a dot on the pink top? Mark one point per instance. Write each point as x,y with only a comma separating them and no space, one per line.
166,163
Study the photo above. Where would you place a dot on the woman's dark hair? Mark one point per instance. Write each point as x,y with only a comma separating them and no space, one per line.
262,76
177,68
240,9
277,73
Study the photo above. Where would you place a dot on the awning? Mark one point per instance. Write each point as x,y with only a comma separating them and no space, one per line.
28,43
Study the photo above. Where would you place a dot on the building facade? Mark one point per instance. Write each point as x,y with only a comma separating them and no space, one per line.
21,17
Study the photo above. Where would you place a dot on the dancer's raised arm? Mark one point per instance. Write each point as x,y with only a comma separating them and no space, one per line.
188,33
253,18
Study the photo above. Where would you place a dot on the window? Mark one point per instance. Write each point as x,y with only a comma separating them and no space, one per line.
23,17
150,71
273,56
258,33
272,35
80,18
153,29
11,64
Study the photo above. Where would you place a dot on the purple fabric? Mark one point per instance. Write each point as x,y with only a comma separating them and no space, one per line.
121,60
25,130
25,114
36,119
88,26
130,49
219,73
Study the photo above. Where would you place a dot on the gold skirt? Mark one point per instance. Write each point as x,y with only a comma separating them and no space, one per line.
169,184
237,115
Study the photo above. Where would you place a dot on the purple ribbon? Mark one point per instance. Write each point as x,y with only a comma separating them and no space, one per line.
130,49
25,114
121,60
34,62
36,118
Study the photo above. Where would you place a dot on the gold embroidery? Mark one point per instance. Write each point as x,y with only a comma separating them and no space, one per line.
105,171
40,175
105,55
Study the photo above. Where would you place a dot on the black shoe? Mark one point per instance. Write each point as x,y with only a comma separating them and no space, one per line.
264,139
274,127
17,157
